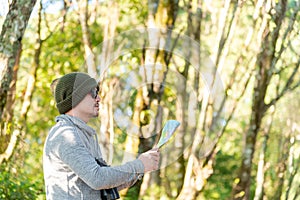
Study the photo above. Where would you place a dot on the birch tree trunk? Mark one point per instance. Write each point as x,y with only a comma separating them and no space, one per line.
89,55
106,115
187,188
260,175
10,140
294,167
20,125
282,165
10,46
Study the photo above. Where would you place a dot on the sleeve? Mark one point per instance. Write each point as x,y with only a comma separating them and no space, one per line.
131,183
72,152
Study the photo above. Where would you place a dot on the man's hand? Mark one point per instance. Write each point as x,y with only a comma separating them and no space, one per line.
150,160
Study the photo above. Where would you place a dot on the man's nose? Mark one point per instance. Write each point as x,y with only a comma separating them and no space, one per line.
98,98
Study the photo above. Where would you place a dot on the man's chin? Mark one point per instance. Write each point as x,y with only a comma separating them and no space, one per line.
96,114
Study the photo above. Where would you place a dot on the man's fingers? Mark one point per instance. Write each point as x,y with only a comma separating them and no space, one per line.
156,149
150,159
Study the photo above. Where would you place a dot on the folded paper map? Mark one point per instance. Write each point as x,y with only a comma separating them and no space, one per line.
167,132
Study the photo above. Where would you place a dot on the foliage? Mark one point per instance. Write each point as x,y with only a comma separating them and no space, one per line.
220,183
14,185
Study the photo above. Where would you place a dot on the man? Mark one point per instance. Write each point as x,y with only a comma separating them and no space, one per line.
72,160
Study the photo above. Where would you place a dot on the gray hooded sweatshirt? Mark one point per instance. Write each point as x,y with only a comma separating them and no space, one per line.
70,169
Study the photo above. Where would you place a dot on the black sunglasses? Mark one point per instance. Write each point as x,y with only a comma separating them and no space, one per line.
94,93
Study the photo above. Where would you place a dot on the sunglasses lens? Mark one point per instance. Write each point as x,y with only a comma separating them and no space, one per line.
94,93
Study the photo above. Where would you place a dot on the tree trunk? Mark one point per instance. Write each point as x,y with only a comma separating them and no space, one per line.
295,168
226,33
154,60
242,189
109,29
10,44
89,55
106,114
106,129
26,101
282,166
260,176
10,41
9,141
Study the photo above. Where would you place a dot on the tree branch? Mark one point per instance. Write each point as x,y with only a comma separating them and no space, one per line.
290,27
288,86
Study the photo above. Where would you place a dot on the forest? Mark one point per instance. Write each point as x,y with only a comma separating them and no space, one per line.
227,70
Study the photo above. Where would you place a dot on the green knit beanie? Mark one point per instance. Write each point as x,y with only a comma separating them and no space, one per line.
71,89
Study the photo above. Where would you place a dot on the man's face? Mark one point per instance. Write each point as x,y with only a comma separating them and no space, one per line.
89,107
